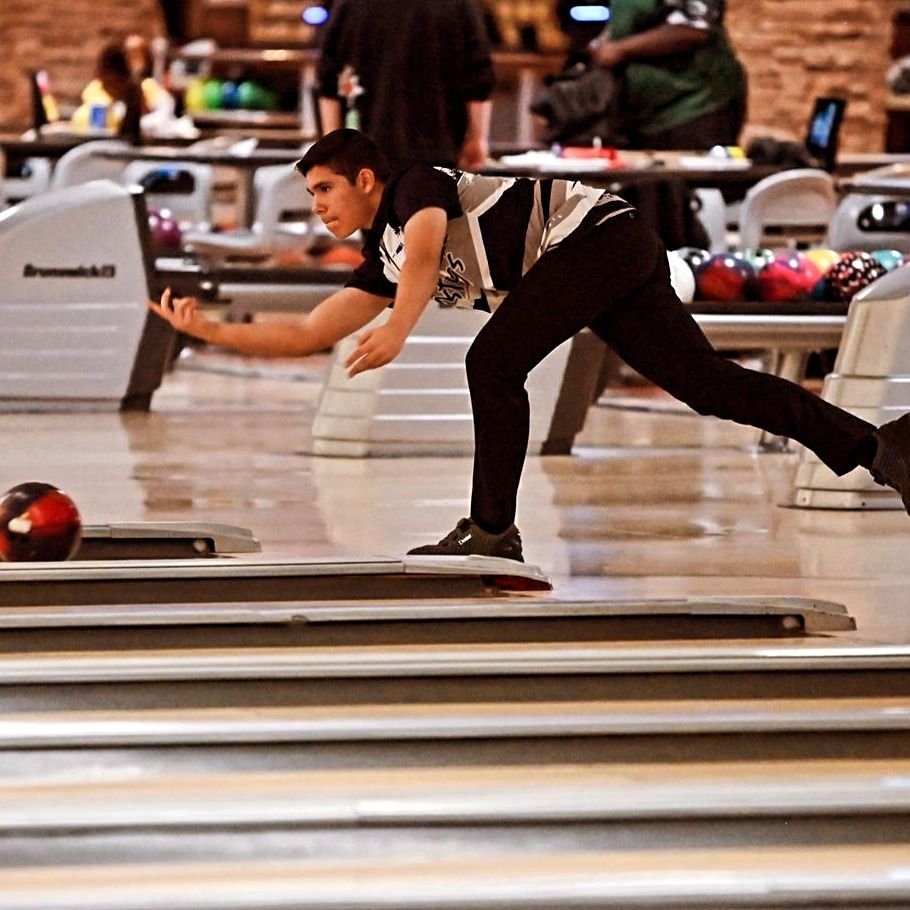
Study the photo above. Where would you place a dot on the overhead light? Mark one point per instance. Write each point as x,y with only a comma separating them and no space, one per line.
315,15
595,13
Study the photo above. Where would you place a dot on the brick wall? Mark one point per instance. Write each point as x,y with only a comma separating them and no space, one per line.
64,38
280,23
794,50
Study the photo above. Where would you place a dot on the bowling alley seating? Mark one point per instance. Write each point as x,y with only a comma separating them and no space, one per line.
283,218
184,188
81,164
802,199
712,213
34,178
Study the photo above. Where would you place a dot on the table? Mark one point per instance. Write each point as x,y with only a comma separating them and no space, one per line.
638,167
17,150
656,183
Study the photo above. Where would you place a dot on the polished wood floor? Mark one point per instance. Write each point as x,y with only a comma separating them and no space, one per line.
655,502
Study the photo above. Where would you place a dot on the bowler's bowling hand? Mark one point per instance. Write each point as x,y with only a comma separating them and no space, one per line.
375,348
181,312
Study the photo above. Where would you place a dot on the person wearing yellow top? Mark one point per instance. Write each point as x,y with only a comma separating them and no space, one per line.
105,99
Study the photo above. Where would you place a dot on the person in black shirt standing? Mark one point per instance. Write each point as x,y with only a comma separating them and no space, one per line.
547,258
415,75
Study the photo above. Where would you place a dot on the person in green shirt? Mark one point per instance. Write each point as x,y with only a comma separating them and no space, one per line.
683,86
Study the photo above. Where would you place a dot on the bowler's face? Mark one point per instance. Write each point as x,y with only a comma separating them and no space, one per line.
344,207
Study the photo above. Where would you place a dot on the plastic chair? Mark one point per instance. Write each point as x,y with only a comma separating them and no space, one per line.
183,187
82,164
712,213
803,198
34,179
283,219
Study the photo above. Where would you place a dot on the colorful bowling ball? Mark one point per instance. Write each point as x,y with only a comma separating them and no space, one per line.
211,94
341,255
268,101
823,290
681,277
38,522
169,235
693,256
789,276
724,276
194,97
852,272
822,258
247,93
165,230
230,95
890,259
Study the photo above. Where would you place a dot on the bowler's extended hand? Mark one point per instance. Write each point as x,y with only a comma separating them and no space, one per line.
181,312
375,348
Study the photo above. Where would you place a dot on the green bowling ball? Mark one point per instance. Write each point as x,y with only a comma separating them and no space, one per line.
211,94
246,95
758,257
269,100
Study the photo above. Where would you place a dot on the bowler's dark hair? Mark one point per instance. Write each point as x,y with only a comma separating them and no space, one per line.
346,152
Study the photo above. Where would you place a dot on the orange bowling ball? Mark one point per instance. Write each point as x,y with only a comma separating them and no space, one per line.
341,255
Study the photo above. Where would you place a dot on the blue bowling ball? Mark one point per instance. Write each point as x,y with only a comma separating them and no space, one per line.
230,96
823,290
890,259
693,256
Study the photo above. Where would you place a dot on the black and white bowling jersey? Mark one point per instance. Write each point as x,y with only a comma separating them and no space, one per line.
498,228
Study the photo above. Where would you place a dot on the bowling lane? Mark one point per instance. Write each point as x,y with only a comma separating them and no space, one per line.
656,502
384,813
497,617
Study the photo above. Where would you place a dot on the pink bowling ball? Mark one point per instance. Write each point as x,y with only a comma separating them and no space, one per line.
790,275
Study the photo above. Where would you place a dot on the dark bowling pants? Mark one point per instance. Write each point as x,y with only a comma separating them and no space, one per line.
616,280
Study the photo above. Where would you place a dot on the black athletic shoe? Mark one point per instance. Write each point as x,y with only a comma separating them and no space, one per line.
891,465
470,540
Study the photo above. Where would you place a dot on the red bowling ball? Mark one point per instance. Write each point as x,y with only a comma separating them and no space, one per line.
789,276
724,276
165,231
38,523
